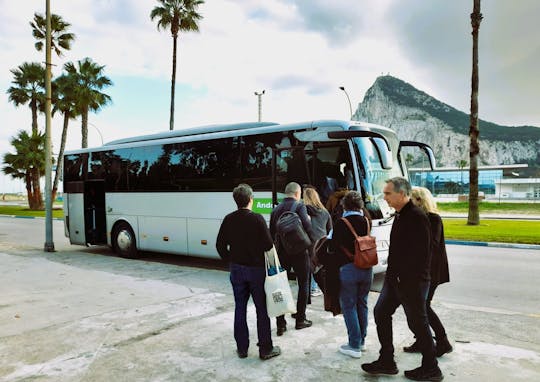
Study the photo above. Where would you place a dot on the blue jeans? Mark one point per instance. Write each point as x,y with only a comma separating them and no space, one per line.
413,298
249,281
353,295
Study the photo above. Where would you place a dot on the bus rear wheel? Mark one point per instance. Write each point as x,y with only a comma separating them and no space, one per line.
123,241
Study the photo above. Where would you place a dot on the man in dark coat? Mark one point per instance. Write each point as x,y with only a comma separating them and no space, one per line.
300,262
242,240
406,283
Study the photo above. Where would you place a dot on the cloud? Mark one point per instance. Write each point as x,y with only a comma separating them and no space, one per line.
439,40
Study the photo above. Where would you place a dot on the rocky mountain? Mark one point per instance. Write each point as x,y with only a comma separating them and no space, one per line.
417,116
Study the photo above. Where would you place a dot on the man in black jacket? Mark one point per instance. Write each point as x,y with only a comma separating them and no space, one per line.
298,261
406,283
242,240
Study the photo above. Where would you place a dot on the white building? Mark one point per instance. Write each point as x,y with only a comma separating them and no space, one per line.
519,188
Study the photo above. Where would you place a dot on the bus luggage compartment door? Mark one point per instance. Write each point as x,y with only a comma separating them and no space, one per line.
75,218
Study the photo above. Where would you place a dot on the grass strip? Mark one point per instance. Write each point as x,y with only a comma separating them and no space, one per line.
505,208
501,231
25,211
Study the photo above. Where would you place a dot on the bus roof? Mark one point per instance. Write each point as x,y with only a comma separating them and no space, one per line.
191,131
245,128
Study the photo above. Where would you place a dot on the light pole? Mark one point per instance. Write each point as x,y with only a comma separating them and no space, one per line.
348,99
49,244
99,132
259,96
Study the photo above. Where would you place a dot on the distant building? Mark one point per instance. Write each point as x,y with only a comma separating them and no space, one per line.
518,188
503,181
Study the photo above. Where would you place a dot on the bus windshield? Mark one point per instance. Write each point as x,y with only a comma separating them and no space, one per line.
374,176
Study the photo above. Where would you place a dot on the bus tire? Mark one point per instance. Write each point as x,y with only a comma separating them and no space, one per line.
123,241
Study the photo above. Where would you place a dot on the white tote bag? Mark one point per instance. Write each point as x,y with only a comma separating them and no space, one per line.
279,299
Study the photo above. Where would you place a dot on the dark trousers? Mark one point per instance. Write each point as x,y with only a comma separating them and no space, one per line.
249,281
433,319
413,298
300,264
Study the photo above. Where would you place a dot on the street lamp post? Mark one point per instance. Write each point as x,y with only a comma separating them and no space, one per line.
348,99
259,96
99,132
49,244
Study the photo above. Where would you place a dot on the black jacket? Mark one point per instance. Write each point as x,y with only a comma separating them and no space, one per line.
409,257
243,238
439,259
301,210
343,237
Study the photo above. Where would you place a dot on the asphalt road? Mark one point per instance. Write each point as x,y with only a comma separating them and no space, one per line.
83,314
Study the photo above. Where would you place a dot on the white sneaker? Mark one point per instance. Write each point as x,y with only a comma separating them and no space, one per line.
351,352
363,347
316,292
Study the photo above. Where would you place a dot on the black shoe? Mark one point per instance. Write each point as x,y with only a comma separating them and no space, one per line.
380,367
271,354
414,348
293,315
303,324
281,330
421,374
442,347
241,354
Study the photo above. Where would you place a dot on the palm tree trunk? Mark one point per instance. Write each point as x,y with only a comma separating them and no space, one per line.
84,128
29,194
60,163
33,107
474,131
173,83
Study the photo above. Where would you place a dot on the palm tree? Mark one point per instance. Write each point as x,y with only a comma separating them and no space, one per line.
462,163
60,39
474,132
179,16
65,103
88,80
27,163
29,87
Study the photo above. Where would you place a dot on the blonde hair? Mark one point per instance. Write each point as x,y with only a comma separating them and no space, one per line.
422,197
311,198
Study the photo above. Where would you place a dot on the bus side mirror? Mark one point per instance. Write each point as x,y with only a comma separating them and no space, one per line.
385,155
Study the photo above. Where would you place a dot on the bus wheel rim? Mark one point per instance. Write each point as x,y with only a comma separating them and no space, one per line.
124,240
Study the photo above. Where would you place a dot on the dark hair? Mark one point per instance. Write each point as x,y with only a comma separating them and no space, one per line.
352,201
400,184
242,194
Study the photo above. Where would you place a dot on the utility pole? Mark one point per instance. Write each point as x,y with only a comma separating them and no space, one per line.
348,99
49,244
259,96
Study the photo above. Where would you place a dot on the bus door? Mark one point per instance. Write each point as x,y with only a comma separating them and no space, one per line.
74,212
288,165
94,212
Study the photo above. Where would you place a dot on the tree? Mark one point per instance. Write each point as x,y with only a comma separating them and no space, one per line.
474,131
409,159
27,163
29,87
178,16
65,102
88,80
63,94
462,163
60,39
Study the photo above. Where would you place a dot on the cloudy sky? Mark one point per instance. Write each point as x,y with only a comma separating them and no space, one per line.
299,51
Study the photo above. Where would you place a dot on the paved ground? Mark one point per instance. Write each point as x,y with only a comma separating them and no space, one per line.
89,316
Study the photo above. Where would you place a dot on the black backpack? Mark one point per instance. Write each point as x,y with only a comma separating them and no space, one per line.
290,232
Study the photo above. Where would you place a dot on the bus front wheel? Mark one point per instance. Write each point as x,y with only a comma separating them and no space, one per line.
124,243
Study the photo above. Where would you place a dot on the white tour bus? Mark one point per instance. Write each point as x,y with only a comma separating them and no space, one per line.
169,192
